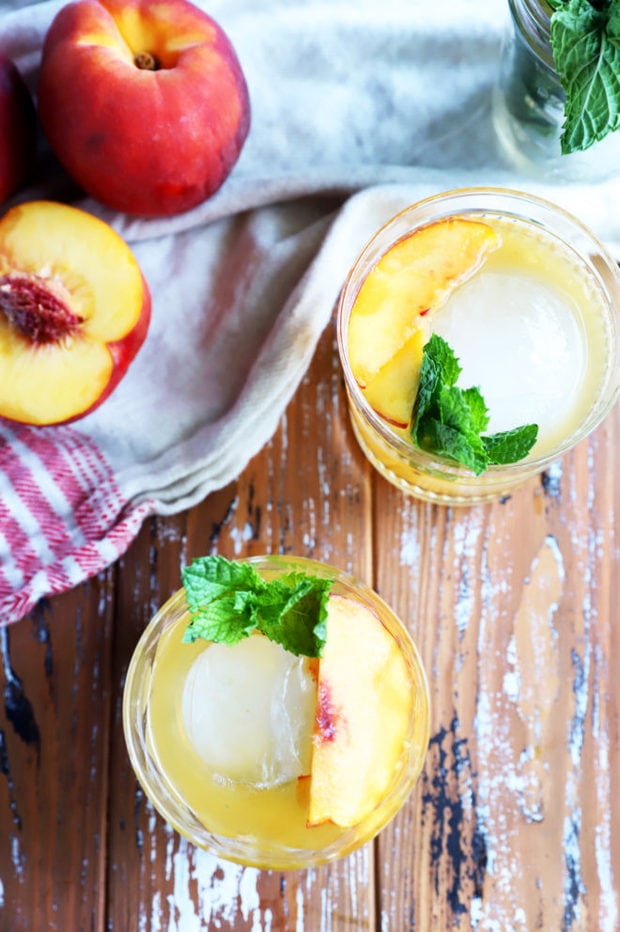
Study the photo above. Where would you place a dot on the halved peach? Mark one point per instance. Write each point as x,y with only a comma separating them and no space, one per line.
416,275
363,712
74,310
392,391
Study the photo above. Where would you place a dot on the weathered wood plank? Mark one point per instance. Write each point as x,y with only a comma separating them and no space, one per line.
514,607
54,732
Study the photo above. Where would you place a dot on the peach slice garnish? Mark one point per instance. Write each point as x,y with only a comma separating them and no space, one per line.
414,277
363,711
392,391
74,310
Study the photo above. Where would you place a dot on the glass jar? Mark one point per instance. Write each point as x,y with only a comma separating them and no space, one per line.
528,105
254,825
436,479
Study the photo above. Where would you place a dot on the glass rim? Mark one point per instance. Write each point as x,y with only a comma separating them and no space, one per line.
610,388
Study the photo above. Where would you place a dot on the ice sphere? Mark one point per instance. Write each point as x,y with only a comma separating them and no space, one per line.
520,340
248,710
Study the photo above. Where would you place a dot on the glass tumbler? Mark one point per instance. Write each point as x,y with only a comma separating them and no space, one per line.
437,479
261,827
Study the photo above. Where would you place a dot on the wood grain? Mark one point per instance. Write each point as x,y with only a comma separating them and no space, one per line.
55,732
515,822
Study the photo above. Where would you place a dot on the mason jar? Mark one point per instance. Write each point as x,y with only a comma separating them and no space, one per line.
528,105
590,282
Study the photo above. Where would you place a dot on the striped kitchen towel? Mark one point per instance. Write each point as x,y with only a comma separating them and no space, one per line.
62,516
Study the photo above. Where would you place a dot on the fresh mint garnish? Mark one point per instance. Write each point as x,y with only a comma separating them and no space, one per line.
585,40
228,600
449,421
508,446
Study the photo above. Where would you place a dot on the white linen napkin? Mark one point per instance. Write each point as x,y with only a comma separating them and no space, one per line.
358,109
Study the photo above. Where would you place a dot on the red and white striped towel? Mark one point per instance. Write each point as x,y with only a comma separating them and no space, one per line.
389,100
62,517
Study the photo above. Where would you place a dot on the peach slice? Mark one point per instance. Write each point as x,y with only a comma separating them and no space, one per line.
392,391
415,276
74,310
363,714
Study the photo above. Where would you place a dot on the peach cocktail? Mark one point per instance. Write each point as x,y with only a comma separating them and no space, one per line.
271,755
478,333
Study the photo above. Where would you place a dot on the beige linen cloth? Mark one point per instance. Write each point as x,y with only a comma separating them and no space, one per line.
358,109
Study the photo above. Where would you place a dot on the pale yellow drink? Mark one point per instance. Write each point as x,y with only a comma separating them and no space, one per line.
534,327
239,816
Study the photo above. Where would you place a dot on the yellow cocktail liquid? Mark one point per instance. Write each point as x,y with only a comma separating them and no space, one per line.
270,818
530,329
533,330
274,816
240,746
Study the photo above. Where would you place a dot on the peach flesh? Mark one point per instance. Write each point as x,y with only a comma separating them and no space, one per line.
413,277
74,310
325,715
362,717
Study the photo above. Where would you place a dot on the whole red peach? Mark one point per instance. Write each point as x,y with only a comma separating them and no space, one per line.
18,132
145,104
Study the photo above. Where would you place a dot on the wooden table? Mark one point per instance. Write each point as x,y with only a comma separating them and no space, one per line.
515,823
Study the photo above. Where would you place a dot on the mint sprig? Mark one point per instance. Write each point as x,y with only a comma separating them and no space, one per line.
585,40
228,600
449,421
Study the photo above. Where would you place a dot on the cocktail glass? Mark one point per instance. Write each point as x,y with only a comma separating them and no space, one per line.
263,826
577,348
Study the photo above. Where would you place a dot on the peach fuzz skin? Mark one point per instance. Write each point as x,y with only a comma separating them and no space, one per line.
145,142
18,132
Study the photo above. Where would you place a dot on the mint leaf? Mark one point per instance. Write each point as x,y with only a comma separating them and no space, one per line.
222,620
209,578
613,24
439,367
510,445
453,409
477,408
448,421
228,600
451,443
297,598
430,380
444,356
585,39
